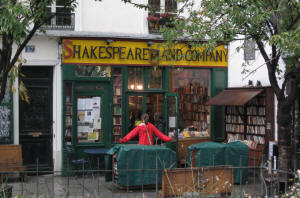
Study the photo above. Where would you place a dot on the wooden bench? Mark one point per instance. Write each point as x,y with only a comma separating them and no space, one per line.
11,161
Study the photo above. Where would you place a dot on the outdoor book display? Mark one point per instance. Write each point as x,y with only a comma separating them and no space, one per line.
209,154
135,165
249,117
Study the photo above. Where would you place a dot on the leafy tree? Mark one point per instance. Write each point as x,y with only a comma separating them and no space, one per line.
274,25
19,21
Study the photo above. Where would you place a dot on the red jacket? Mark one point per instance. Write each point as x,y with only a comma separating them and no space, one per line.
143,137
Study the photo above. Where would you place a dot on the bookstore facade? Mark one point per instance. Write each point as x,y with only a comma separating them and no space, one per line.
108,83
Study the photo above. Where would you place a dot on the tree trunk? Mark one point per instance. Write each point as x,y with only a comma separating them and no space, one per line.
284,121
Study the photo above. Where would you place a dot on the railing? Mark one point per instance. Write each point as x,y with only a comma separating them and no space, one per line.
61,21
94,183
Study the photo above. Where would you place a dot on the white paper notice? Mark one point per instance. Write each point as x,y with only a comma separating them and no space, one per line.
97,123
80,104
96,102
88,116
172,122
88,104
96,113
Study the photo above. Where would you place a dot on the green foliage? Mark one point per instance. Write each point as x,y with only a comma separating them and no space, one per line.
294,189
19,20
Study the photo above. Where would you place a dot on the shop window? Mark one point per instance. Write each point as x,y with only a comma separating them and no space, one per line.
135,78
144,78
193,89
89,119
92,71
155,78
135,111
6,118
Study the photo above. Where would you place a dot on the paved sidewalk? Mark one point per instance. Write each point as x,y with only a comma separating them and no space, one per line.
50,186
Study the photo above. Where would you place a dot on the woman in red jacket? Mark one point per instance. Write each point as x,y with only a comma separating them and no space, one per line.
145,131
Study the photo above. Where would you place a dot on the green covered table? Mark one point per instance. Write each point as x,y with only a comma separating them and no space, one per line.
135,165
214,154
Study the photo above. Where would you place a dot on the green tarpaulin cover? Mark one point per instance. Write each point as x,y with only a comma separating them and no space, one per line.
136,164
214,154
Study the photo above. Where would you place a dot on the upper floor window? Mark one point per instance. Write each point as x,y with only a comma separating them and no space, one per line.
161,13
63,17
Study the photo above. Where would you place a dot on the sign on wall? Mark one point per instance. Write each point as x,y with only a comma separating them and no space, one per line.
102,52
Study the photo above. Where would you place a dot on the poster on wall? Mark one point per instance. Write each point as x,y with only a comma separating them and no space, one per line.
89,118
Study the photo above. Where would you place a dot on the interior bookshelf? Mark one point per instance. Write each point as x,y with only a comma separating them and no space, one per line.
192,99
68,114
117,104
254,120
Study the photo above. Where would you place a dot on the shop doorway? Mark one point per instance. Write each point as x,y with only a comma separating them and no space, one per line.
92,109
36,119
140,103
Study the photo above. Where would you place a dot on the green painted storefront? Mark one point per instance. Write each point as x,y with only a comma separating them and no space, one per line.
84,84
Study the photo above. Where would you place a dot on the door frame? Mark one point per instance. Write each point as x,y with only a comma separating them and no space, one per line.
106,105
48,83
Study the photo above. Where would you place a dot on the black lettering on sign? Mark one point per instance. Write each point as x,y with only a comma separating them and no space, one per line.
101,51
85,53
138,52
115,51
122,52
130,54
109,52
76,51
145,53
93,52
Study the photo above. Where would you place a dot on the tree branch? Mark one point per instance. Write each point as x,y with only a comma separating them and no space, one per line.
23,44
271,65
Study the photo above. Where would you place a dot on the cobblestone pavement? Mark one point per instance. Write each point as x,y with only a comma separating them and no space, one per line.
95,186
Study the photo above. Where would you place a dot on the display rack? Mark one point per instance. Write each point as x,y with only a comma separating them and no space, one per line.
253,120
117,104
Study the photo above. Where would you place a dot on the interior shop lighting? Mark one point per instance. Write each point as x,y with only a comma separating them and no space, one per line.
139,87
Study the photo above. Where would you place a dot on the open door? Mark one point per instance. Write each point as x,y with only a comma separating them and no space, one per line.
171,101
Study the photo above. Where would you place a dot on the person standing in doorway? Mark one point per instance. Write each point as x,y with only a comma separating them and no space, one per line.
145,130
159,123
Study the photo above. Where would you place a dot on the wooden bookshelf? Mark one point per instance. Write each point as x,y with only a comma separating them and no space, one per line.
117,105
192,99
253,121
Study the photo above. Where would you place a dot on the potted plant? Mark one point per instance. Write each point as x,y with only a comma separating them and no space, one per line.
166,19
153,21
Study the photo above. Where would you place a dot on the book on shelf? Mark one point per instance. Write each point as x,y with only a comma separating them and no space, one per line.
117,110
238,128
256,120
117,99
257,139
234,119
256,130
252,110
117,91
117,120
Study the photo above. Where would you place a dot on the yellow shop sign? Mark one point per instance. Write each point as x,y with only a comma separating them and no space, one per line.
135,53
